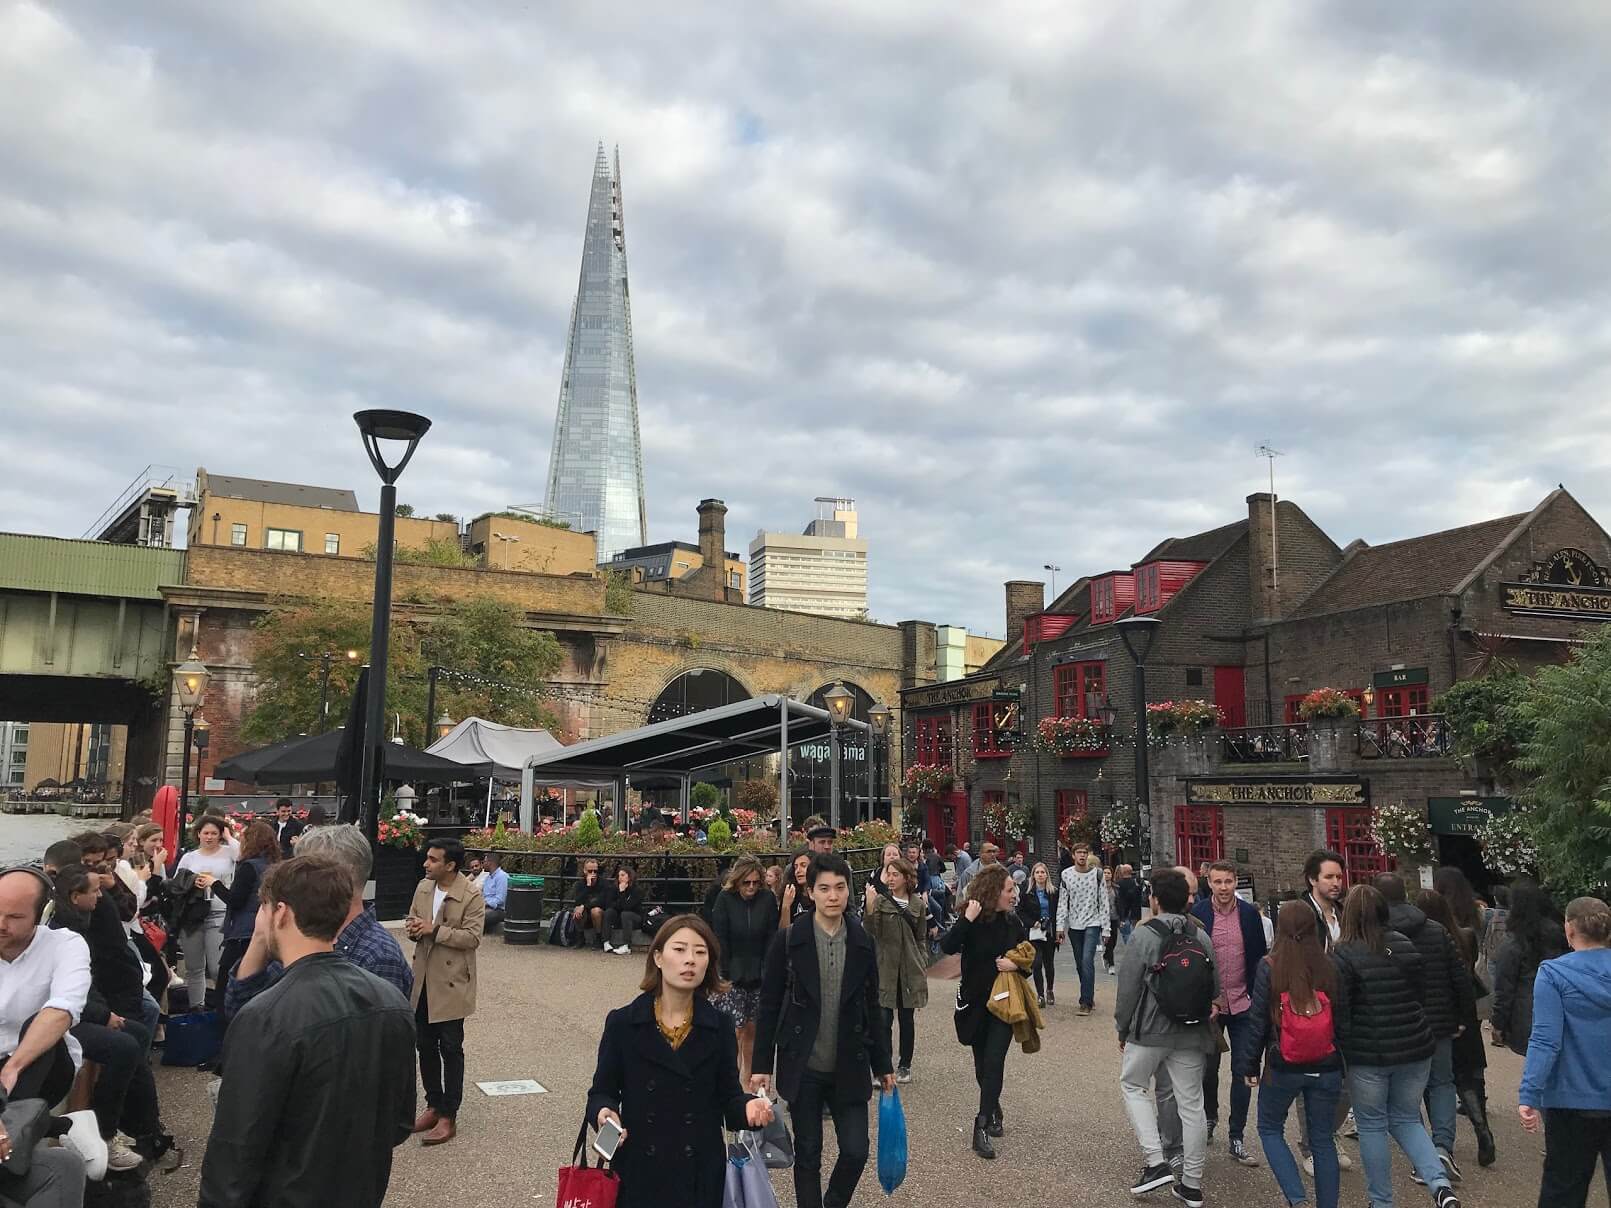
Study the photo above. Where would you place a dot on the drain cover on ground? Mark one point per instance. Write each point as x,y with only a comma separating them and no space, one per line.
514,1086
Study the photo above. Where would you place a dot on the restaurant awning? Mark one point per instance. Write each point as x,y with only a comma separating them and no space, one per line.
306,760
683,746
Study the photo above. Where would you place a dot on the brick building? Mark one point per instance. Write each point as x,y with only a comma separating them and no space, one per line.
672,648
1253,615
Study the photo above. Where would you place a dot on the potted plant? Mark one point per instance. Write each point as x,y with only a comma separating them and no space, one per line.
1401,831
399,860
1070,737
1326,704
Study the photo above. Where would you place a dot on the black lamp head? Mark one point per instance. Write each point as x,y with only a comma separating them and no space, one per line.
376,426
1138,633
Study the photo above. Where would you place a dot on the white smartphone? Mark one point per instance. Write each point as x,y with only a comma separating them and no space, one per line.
607,1140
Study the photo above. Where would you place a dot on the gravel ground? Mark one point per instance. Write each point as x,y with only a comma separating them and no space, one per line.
1068,1141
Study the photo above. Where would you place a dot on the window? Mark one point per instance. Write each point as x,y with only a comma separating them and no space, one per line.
1071,803
1080,689
1194,677
1148,596
332,543
1102,601
988,741
237,534
1409,701
286,539
1348,833
934,740
1199,834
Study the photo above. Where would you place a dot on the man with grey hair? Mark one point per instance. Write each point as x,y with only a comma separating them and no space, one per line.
362,939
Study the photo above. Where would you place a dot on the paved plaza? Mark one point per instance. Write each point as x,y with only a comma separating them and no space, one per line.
541,1011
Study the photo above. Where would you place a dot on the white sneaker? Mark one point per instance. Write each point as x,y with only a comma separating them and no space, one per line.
1309,1165
1344,1162
608,947
84,1135
119,1156
624,950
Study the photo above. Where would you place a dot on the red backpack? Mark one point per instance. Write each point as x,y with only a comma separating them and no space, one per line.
1306,1039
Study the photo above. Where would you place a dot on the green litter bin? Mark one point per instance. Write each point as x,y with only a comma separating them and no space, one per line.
523,910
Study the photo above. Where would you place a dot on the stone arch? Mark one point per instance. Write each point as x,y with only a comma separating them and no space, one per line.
695,689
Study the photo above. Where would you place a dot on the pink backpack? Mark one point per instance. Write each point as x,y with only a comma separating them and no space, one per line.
1306,1039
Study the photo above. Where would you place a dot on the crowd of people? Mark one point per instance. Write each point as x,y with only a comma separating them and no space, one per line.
318,1006
1361,1006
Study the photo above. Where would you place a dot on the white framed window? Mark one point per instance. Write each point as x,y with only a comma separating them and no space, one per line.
332,543
237,534
284,539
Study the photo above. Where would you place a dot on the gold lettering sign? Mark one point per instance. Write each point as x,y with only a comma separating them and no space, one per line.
949,694
1590,603
1277,793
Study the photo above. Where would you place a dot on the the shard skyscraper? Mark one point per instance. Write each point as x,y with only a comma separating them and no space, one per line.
595,469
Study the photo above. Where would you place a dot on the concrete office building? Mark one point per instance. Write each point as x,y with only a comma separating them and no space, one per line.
822,571
13,754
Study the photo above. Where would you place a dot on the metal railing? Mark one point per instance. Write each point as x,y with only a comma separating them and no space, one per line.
1265,744
1423,736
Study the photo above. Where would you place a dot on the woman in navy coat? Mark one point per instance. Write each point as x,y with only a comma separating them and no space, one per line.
668,1075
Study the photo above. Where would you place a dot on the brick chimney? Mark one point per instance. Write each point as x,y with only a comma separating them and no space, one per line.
1264,602
1024,596
713,533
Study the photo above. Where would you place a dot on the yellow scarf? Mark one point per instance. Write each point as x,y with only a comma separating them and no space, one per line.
674,1035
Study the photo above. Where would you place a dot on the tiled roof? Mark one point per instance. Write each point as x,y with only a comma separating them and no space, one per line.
1412,569
1199,547
260,490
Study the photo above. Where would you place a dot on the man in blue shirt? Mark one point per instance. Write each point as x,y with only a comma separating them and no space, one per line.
494,888
362,939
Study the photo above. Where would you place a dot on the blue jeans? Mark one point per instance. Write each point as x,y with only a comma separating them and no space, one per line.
1125,929
1320,1093
1238,1031
1440,1096
1085,943
151,1015
1387,1101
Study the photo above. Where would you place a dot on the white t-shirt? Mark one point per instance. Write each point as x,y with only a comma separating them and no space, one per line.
221,864
437,898
52,971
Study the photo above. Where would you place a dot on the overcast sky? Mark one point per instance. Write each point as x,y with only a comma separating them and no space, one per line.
1030,281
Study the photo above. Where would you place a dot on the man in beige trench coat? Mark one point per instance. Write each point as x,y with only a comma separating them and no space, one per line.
445,922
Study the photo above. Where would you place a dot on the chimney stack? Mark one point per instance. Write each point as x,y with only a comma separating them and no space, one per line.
1262,553
1024,597
713,535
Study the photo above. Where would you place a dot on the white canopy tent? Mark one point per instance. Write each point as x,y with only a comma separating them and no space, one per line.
507,749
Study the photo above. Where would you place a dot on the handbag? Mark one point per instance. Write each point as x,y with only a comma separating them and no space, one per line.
155,933
193,1039
775,1143
584,1186
25,1122
747,1184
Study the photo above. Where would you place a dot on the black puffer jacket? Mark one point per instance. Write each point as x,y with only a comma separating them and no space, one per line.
1449,1000
1378,1012
744,929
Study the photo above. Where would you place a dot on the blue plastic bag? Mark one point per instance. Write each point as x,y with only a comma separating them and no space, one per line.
891,1142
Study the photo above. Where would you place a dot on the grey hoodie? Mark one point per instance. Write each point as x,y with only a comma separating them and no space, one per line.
1136,1012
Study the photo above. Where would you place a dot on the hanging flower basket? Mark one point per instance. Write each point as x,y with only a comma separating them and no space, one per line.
1401,831
1070,737
1009,823
1184,717
1119,827
1327,703
928,779
1507,845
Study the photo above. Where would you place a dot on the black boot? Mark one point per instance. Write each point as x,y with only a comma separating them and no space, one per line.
981,1139
1476,1105
993,1125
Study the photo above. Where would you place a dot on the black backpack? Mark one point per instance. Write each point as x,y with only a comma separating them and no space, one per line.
1182,979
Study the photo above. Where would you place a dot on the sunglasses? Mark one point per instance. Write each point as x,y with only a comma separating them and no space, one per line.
750,881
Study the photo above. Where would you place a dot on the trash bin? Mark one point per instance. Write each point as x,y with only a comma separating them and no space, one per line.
523,910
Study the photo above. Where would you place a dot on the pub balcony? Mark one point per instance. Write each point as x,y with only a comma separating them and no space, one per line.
1265,744
1419,736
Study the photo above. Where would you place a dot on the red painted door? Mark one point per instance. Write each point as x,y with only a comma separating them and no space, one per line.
1230,695
956,813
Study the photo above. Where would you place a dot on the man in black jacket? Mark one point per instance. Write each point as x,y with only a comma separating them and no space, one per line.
286,828
1449,998
820,1020
300,1056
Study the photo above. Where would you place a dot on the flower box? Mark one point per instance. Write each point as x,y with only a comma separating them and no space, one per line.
1070,738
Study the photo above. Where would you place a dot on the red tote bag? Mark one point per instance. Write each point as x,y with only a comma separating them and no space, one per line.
581,1186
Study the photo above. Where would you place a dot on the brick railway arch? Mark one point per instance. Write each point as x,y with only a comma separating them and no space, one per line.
695,689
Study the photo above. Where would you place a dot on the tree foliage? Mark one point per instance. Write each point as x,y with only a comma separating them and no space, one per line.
437,551
1567,755
404,509
1489,721
497,668
704,796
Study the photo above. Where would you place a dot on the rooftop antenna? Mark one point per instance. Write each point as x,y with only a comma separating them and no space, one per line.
1266,451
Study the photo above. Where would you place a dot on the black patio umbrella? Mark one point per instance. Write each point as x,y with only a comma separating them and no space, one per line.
308,760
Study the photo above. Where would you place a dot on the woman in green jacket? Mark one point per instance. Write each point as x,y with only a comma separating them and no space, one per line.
896,918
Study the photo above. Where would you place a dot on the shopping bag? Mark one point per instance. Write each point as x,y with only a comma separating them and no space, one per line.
748,1185
891,1142
777,1147
583,1187
193,1039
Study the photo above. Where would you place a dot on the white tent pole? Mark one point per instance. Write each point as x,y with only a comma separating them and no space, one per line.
528,778
488,822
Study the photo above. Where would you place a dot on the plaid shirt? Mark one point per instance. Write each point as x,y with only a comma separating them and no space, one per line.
363,941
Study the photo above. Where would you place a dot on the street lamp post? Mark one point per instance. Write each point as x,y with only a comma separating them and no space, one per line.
190,685
202,735
1138,634
879,715
444,725
839,700
325,661
408,428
